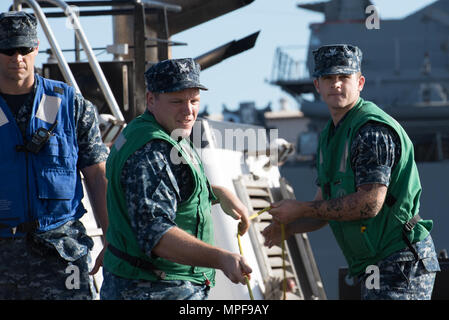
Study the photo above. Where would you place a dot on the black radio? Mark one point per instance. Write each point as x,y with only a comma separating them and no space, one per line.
39,139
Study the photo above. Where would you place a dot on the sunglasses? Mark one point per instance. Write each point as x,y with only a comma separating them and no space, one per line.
21,50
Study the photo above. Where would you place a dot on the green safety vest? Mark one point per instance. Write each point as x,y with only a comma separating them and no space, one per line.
366,241
193,215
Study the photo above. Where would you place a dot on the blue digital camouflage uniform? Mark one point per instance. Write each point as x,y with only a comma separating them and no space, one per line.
153,187
403,278
374,153
38,266
117,288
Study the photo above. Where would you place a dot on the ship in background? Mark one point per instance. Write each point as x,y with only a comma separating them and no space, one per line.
142,35
406,66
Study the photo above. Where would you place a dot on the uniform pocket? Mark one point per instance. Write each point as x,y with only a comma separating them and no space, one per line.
431,264
57,183
56,190
56,151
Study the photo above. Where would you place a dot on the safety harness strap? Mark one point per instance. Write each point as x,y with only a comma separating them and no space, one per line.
408,226
390,200
29,226
136,261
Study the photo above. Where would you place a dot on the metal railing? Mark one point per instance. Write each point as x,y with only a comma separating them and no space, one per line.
65,70
286,68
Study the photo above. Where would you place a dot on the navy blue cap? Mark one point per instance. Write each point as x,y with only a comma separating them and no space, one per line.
337,59
173,75
18,29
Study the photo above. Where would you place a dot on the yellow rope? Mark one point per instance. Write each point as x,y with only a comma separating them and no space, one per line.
246,277
259,213
284,285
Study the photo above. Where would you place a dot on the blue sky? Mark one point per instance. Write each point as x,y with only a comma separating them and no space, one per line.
241,78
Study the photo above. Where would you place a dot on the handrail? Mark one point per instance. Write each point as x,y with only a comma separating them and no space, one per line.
161,5
68,76
66,72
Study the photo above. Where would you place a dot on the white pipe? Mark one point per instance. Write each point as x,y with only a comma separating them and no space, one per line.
98,72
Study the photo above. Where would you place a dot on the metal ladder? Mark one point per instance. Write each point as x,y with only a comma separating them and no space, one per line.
302,255
256,195
301,268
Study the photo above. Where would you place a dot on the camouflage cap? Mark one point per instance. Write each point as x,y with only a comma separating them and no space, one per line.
17,29
337,59
173,75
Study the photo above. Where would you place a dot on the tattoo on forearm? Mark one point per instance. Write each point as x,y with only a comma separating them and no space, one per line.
361,205
327,209
366,211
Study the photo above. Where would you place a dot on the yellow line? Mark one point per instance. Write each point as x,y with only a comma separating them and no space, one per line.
246,277
259,213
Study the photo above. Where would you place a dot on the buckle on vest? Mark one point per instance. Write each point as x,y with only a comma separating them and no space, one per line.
408,226
161,274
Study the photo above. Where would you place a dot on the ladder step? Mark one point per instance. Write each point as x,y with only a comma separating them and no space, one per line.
257,192
273,251
276,262
253,184
265,217
259,203
279,273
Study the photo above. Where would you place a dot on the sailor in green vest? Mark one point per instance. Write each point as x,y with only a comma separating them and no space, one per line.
368,188
160,235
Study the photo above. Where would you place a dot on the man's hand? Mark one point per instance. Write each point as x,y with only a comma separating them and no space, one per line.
273,235
285,211
235,267
181,247
98,262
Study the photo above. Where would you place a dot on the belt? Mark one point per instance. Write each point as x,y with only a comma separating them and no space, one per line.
28,226
136,261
